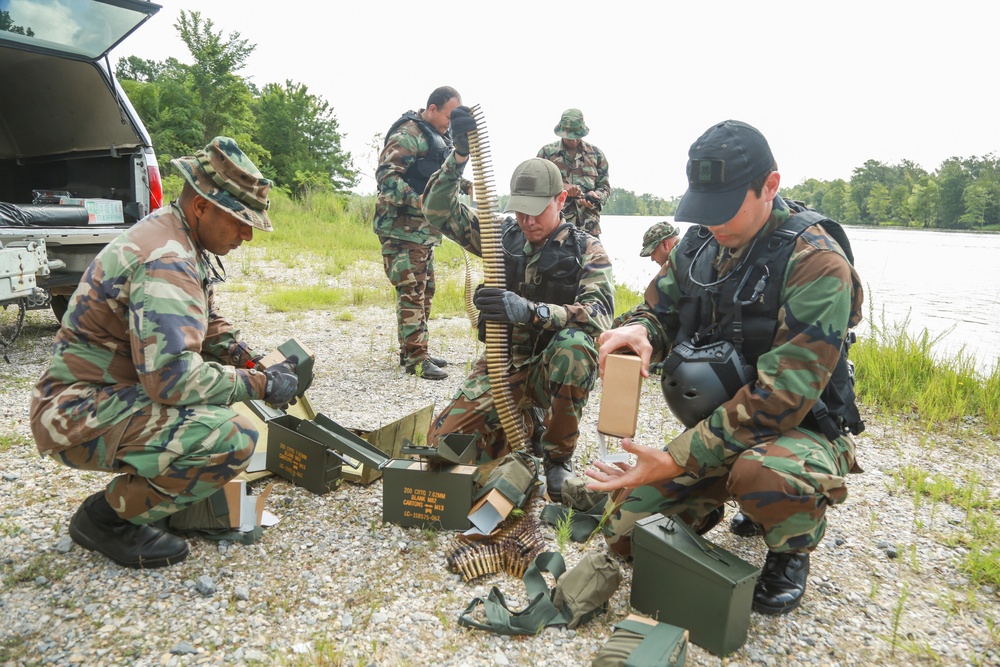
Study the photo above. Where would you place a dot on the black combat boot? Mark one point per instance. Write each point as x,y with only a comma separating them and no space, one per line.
437,361
743,526
782,583
427,370
556,472
711,520
96,526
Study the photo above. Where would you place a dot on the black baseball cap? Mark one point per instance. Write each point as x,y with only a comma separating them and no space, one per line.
721,165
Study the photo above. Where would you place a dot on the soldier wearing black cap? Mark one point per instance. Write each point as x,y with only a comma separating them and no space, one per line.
768,296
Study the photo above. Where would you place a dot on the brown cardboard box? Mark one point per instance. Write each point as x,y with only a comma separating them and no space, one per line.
620,391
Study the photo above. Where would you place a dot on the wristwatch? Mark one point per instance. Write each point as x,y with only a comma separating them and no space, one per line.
542,313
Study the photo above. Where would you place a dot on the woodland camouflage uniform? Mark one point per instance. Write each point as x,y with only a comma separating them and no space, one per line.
407,240
588,168
561,375
753,448
143,373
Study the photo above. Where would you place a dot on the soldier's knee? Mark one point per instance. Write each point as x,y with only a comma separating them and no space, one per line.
749,476
240,436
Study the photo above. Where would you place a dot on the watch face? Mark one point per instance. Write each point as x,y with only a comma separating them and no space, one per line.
543,312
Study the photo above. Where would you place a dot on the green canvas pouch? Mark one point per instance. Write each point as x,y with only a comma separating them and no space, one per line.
642,642
514,476
212,513
585,509
585,590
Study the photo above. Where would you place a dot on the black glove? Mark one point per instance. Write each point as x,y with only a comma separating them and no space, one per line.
462,123
500,305
282,383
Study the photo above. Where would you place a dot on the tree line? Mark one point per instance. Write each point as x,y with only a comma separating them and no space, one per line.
294,137
290,134
964,193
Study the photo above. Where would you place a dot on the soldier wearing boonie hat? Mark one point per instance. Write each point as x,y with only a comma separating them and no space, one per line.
223,174
144,369
656,242
558,295
583,169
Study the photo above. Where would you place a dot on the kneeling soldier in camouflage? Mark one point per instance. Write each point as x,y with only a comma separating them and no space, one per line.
144,368
753,315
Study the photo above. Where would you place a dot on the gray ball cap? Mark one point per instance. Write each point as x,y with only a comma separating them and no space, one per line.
721,165
534,183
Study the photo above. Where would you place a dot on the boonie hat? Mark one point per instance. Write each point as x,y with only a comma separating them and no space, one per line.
655,234
534,183
571,125
224,175
721,164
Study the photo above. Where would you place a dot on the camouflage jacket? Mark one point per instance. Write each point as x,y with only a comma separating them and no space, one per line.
821,298
397,212
588,169
594,306
141,328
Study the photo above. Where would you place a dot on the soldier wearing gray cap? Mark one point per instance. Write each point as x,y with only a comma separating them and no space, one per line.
559,296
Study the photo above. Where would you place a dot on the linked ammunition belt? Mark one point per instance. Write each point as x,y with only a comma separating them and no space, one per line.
511,551
497,333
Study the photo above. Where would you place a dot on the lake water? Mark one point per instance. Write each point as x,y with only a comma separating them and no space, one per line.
945,282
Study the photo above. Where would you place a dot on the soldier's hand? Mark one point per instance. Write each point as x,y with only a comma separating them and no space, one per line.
500,305
282,383
632,337
573,190
462,123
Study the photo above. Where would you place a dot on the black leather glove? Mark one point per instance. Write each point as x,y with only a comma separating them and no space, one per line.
500,305
282,383
462,123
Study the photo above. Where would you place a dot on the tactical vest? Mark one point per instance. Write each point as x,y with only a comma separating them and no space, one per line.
744,308
418,173
557,277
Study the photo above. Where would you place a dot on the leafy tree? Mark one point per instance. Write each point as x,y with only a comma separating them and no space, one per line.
952,179
7,25
976,198
924,201
878,203
300,132
224,99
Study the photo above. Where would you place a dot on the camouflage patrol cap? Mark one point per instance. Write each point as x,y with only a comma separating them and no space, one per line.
655,234
224,175
571,125
534,183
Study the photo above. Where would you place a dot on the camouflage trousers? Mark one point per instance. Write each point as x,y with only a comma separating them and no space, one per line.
785,486
410,268
166,457
583,218
558,380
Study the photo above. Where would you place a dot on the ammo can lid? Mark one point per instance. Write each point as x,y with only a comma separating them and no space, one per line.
673,540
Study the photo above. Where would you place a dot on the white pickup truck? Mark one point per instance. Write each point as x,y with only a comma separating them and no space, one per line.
70,142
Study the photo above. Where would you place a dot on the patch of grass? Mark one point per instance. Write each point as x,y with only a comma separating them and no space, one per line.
319,297
326,652
564,531
945,489
9,441
898,372
626,299
43,565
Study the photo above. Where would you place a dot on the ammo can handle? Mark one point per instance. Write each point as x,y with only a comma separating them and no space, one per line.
671,528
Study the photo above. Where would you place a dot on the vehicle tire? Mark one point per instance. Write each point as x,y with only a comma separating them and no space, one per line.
59,304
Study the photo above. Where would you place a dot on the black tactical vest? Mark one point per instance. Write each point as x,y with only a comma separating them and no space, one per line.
557,278
439,146
744,308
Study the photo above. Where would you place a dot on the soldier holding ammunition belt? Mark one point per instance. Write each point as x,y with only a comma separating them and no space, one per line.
559,296
753,316
145,369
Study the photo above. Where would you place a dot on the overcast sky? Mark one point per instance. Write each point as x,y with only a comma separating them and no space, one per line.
830,84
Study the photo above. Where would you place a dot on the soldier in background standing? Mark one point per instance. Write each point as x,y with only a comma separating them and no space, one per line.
584,172
415,147
144,369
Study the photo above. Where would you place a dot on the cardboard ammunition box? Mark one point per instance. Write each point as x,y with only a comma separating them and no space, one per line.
682,579
302,455
304,359
620,391
415,494
388,439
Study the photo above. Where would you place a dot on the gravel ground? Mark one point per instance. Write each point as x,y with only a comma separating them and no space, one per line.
332,585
